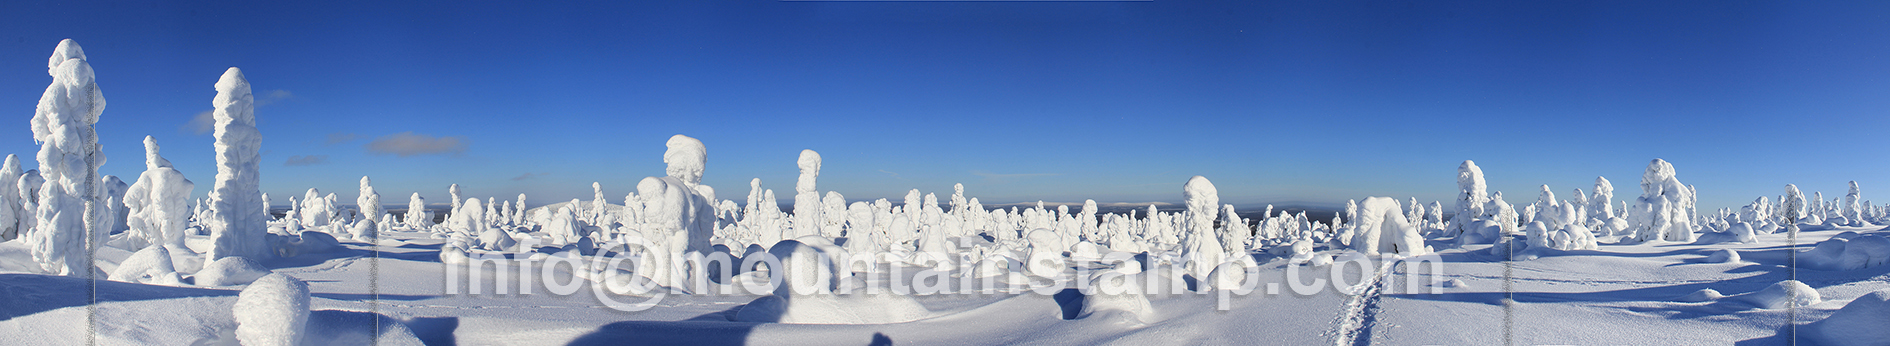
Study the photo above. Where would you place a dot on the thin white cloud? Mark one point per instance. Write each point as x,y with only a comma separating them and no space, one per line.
206,121
1002,177
406,144
528,175
272,96
202,123
341,137
300,160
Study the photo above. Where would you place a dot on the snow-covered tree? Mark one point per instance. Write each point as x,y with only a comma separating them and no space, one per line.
240,225
417,216
1380,227
1853,207
316,211
1664,210
114,196
369,202
1472,196
518,216
1201,245
159,202
596,211
678,210
1599,205
470,220
453,192
12,210
807,209
1791,209
71,208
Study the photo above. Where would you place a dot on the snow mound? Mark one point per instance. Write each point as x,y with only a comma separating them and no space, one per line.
451,254
272,311
1781,295
365,231
1861,322
1724,256
347,328
1702,295
230,271
317,242
497,240
151,265
1113,291
1453,283
1839,253
833,309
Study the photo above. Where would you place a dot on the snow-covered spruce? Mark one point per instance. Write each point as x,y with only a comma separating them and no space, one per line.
1201,245
159,203
13,213
1472,195
70,209
240,224
417,217
368,201
1665,209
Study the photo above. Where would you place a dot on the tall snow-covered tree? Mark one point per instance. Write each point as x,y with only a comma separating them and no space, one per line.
1853,207
239,224
1472,195
1201,245
1791,209
518,217
807,209
369,202
71,207
12,211
417,215
453,192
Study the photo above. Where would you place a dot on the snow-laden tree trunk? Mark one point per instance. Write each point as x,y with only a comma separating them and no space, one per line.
70,209
239,224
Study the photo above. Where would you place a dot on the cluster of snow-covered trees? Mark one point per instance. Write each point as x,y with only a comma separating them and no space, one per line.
66,211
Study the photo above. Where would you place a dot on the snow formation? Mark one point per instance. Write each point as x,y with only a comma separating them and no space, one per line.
272,311
70,206
239,227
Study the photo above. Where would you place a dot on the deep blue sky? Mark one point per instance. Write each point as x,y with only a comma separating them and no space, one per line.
1274,101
